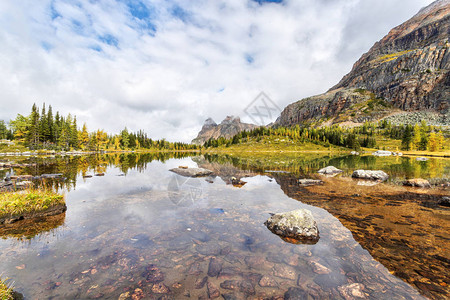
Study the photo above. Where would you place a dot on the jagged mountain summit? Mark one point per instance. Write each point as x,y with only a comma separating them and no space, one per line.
407,70
229,127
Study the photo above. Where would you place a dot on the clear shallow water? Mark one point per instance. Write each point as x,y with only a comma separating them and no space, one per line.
125,234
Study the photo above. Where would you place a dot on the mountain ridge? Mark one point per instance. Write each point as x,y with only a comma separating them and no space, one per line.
229,127
407,70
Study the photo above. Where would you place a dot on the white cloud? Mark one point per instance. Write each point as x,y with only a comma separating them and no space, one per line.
105,63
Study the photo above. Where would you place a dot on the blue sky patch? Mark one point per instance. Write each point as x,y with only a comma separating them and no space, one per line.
179,13
138,9
249,58
96,48
109,39
53,12
261,2
143,15
46,46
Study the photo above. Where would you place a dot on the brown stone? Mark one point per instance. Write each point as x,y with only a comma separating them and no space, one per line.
352,291
200,282
213,291
319,268
284,271
214,268
160,288
153,274
268,281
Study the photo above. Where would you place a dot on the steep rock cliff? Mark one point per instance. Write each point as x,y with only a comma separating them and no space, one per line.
409,69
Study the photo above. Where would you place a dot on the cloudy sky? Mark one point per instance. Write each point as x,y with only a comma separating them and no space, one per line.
166,65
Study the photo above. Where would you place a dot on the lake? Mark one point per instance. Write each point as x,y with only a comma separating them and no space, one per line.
143,232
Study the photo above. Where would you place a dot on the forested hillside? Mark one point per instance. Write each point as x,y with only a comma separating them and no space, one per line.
42,129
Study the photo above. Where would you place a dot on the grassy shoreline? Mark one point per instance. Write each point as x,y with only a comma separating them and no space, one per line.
5,292
18,205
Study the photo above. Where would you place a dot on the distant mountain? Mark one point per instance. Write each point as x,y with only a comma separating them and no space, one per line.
407,70
229,127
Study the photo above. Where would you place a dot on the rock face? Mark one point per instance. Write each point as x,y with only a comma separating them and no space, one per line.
297,224
370,175
229,127
406,70
191,172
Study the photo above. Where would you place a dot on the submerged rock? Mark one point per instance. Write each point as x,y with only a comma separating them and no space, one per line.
213,291
215,267
295,293
445,201
417,182
370,174
330,170
352,291
191,172
298,224
306,182
268,281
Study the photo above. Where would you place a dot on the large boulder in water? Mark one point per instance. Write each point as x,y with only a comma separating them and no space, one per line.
370,174
297,224
191,172
330,170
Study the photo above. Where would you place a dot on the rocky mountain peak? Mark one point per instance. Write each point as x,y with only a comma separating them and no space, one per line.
231,119
229,127
209,123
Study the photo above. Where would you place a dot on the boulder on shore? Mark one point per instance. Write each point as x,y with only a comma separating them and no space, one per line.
417,182
330,170
191,172
382,153
297,224
422,158
370,174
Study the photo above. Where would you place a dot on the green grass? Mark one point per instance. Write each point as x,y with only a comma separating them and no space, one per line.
4,147
5,292
270,144
28,201
278,152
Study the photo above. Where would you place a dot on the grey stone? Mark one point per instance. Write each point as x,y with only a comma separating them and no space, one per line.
422,158
330,170
306,182
370,174
417,182
382,153
298,224
191,172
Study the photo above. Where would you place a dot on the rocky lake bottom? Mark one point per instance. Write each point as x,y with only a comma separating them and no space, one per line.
143,232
